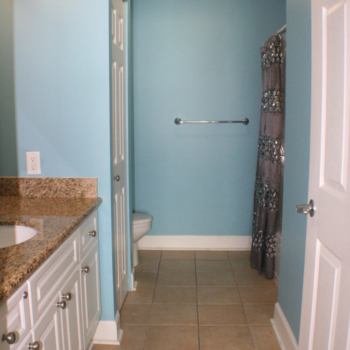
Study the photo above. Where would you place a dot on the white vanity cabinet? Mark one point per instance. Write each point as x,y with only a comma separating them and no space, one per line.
61,307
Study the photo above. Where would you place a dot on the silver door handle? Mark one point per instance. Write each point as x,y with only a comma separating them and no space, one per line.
306,208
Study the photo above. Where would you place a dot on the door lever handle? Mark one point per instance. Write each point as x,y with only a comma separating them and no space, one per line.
306,208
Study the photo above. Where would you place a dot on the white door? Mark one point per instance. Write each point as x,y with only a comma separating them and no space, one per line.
119,155
326,294
118,100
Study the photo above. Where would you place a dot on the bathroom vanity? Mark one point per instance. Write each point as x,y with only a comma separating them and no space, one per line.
58,307
49,285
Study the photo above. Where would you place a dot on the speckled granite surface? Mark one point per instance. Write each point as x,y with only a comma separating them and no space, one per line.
54,218
35,187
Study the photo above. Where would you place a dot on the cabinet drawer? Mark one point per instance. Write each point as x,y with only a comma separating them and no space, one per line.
88,234
15,317
44,282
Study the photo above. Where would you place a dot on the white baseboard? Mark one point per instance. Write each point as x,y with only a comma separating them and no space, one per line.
282,330
133,282
109,332
277,279
195,243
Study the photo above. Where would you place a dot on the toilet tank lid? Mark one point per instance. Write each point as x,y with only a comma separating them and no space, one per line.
138,218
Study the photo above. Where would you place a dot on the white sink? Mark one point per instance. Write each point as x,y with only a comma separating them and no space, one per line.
15,234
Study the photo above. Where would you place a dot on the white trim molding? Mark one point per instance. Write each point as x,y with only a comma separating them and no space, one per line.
150,242
282,330
133,282
109,332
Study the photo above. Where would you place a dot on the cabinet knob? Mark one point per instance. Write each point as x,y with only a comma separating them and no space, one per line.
25,295
117,178
67,296
93,233
85,269
62,304
9,338
34,346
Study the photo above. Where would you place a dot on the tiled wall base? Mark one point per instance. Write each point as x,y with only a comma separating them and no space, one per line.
195,243
109,332
282,330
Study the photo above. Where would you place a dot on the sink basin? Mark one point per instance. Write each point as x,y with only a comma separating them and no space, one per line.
15,234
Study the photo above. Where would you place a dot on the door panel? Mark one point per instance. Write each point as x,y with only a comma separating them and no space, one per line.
326,303
334,137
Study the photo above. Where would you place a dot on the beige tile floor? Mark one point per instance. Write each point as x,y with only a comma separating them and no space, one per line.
201,300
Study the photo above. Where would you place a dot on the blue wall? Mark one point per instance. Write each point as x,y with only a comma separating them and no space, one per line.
198,60
297,151
62,102
8,137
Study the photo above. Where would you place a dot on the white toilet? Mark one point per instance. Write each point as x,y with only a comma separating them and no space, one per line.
141,224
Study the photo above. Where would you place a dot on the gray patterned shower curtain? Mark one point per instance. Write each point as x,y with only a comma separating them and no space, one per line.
270,153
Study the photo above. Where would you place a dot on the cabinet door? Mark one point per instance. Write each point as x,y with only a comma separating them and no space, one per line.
15,318
48,330
72,314
90,292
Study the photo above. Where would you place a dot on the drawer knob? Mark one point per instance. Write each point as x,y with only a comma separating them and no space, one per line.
9,338
67,296
85,269
34,346
93,233
62,304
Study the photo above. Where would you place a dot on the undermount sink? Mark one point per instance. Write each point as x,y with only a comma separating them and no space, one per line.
15,234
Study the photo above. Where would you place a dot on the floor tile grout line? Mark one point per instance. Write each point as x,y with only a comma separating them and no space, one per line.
154,292
243,305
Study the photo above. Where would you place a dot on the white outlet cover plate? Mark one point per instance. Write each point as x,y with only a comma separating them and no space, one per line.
33,163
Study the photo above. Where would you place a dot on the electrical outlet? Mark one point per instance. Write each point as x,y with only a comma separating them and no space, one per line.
33,163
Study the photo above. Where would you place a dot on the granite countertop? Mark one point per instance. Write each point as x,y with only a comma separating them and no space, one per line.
54,218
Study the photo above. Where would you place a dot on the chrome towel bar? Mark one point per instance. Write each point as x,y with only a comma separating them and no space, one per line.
178,121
